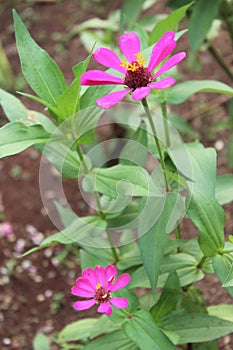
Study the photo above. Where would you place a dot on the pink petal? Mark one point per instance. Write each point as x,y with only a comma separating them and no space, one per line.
90,275
81,292
162,49
130,45
141,93
100,275
84,304
120,303
121,282
171,62
110,271
163,83
105,308
109,59
85,284
97,77
112,99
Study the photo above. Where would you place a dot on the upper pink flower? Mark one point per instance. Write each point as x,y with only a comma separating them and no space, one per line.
138,78
98,284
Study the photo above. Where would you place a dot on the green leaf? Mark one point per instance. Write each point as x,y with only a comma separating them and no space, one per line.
204,12
81,67
223,268
171,22
16,137
224,188
65,160
204,210
153,235
121,179
209,218
67,215
69,101
181,92
197,327
184,264
16,111
135,151
40,71
80,231
130,12
224,311
212,345
41,342
169,297
90,260
91,95
77,330
142,329
112,341
193,300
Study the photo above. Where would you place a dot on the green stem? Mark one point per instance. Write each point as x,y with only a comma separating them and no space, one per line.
149,116
99,207
177,232
229,27
220,61
165,123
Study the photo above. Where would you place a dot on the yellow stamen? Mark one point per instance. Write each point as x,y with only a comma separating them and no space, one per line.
123,64
132,66
140,59
98,286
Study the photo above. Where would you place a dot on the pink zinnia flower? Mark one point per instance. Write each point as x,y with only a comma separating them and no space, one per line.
98,284
138,78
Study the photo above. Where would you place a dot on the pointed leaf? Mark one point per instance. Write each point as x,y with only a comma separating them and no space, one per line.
121,179
224,188
112,341
204,12
171,22
40,71
16,137
142,329
197,327
181,92
169,297
153,235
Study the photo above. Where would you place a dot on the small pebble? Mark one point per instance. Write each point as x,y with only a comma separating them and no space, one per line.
38,279
40,297
6,341
219,145
48,293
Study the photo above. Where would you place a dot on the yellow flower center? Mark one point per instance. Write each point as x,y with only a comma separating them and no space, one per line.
139,62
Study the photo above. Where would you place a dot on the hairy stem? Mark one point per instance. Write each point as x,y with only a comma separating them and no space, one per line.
149,116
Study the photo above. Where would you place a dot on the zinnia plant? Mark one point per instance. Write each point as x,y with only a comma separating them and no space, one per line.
138,78
98,284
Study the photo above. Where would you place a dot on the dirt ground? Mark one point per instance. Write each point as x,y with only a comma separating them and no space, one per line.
35,291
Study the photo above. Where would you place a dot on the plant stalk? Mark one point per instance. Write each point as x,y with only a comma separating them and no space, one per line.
99,207
165,123
220,61
149,116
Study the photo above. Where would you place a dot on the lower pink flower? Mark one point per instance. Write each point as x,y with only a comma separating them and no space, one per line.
98,284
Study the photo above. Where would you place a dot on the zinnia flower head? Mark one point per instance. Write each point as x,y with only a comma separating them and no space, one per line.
138,78
98,284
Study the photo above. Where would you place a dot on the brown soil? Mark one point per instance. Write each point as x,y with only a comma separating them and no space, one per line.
28,298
